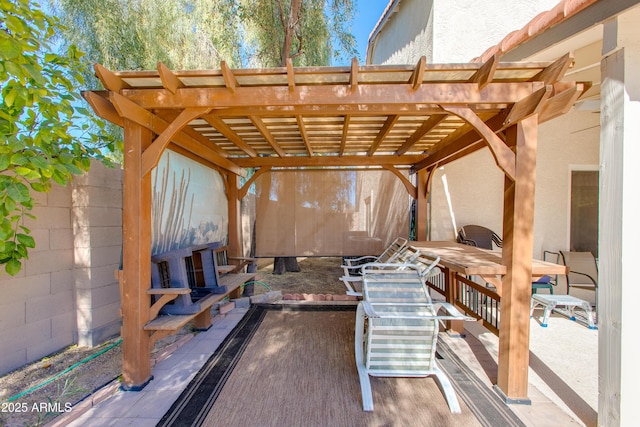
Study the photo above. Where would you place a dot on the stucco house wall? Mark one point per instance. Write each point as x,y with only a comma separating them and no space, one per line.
462,30
447,31
66,292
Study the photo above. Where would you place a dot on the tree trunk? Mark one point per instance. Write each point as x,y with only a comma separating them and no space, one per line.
282,265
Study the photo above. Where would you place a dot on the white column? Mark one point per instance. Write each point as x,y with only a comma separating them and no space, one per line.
619,248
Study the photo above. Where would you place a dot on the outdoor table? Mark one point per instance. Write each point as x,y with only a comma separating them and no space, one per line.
487,264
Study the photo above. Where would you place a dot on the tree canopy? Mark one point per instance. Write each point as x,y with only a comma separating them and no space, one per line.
45,134
198,34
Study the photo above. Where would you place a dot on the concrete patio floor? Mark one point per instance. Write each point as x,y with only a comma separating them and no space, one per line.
563,384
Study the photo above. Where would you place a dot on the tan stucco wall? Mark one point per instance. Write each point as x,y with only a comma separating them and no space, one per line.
449,31
475,183
66,292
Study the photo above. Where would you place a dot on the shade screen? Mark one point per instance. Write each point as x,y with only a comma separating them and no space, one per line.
329,213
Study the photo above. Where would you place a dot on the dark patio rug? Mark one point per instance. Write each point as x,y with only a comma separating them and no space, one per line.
290,365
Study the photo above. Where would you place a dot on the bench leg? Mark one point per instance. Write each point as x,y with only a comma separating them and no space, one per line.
587,310
202,321
547,312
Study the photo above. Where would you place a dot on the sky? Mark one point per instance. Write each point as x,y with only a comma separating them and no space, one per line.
367,14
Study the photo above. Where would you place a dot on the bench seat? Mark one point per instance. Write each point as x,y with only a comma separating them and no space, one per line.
174,323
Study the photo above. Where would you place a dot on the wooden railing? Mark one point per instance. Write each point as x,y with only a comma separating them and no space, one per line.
474,299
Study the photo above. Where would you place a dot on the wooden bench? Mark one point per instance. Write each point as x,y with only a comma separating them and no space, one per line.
187,282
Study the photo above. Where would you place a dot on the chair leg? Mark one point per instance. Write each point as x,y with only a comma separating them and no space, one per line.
365,382
448,391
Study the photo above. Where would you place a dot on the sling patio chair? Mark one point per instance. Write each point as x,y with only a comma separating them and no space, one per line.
397,328
387,255
478,236
583,271
397,251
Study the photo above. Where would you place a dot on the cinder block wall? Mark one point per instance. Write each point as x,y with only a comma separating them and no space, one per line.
66,292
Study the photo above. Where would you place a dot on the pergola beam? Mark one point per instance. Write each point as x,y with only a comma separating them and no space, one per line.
427,94
418,73
484,75
170,81
228,133
262,128
245,188
444,154
554,72
528,106
504,157
328,161
353,77
229,79
291,75
108,79
303,134
384,131
424,129
411,189
151,156
345,133
133,112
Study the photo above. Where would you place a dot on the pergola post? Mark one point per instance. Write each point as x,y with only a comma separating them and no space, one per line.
422,178
136,259
235,235
517,255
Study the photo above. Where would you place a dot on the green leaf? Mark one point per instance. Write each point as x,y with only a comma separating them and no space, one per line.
13,267
26,240
10,98
18,192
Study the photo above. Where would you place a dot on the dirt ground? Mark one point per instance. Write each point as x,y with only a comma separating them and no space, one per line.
88,369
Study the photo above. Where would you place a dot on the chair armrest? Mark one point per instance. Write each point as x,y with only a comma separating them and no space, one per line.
594,281
468,242
351,260
241,258
368,309
452,312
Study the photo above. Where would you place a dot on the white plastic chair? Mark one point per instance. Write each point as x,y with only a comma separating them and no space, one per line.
397,329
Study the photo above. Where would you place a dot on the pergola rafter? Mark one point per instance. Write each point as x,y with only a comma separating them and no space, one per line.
391,117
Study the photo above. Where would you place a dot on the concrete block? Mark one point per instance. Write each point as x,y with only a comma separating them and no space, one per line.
243,302
94,277
86,196
96,336
97,256
269,297
38,332
97,216
61,238
16,289
227,307
64,324
12,359
104,315
101,176
48,262
92,236
98,297
12,316
48,306
47,347
59,196
62,281
49,217
15,338
41,236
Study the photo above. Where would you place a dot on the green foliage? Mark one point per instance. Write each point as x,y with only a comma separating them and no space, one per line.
319,31
44,132
136,34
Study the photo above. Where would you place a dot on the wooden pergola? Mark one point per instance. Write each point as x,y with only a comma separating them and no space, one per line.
392,117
